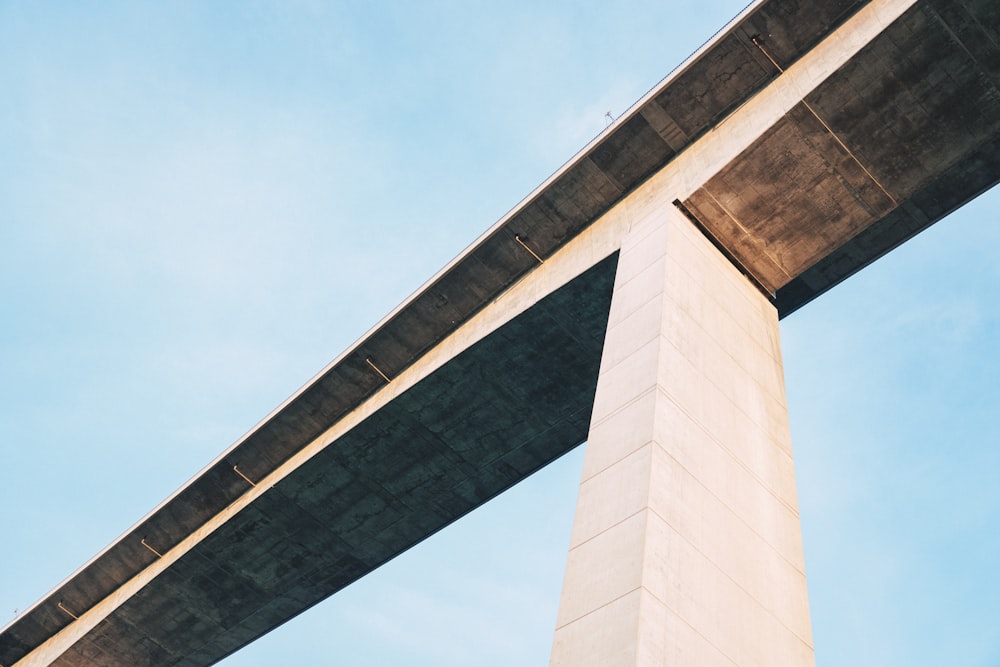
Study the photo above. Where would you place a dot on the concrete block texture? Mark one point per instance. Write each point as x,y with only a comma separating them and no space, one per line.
686,547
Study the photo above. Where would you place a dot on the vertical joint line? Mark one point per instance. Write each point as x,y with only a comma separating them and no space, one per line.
248,480
850,152
525,246
74,616
721,247
377,369
760,47
146,544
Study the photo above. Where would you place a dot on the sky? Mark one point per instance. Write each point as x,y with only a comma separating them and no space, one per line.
202,204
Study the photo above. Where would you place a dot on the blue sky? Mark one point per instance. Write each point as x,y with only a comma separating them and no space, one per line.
201,204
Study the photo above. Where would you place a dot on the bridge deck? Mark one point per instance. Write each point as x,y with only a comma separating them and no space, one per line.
906,131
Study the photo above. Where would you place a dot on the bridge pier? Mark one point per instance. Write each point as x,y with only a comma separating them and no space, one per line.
810,138
686,547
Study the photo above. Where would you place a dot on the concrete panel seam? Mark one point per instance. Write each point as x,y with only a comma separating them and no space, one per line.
763,427
739,518
624,406
637,345
610,526
615,317
683,620
748,335
791,508
749,298
626,455
767,389
711,295
780,403
725,574
721,247
640,306
596,609
746,233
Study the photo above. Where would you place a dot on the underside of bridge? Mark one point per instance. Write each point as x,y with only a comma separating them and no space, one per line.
496,413
906,130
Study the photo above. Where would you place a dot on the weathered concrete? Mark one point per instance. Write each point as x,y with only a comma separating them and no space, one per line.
686,546
734,137
863,162
395,475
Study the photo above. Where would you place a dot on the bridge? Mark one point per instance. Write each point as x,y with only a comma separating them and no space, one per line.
801,144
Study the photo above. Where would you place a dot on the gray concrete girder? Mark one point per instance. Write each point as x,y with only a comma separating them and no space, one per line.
499,411
909,121
800,248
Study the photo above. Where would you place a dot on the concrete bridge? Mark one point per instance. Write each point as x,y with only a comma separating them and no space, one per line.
631,301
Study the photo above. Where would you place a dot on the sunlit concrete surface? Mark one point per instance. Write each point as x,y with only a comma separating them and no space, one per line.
804,141
686,546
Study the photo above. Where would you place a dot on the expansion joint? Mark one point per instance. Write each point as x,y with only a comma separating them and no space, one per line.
760,46
721,247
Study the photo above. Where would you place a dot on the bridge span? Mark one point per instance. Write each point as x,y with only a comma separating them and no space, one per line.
805,141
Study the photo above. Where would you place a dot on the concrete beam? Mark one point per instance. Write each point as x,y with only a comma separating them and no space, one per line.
712,136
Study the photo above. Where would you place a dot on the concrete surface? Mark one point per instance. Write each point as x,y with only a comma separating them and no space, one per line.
808,138
686,546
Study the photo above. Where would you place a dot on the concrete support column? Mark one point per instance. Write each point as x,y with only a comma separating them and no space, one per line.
686,547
